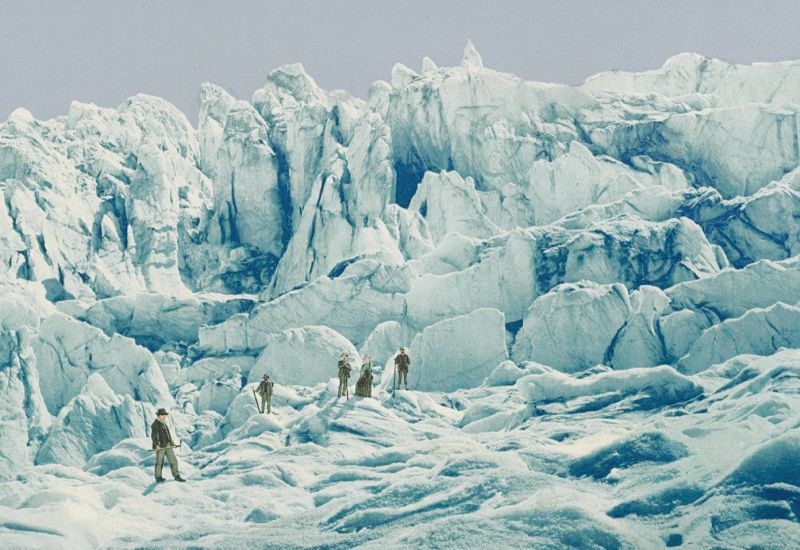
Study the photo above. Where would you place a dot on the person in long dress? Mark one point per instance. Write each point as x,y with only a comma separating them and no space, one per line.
364,383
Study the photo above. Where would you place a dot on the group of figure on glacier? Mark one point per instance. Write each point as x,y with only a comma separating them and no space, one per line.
163,443
402,363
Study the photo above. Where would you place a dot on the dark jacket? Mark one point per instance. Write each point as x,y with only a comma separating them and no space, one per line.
265,387
159,432
402,361
344,368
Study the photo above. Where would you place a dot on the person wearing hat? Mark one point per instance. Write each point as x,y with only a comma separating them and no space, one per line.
265,391
364,383
163,445
344,375
402,363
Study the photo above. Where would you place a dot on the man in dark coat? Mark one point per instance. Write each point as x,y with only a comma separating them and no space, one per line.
402,363
265,391
163,445
344,374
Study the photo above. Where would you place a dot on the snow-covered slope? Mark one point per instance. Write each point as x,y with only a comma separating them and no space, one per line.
599,289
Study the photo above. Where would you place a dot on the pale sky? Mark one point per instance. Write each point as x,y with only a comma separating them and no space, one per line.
105,51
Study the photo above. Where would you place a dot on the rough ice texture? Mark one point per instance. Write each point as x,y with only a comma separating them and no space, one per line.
304,356
571,327
458,352
598,286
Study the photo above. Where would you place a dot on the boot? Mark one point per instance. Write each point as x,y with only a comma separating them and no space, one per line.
179,478
160,480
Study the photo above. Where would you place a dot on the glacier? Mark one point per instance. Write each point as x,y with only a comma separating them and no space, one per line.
598,286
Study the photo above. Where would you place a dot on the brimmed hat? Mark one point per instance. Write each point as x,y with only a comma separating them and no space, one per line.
266,376
402,348
162,412
345,354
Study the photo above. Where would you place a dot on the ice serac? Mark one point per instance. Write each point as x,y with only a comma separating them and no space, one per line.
103,198
737,151
571,327
483,124
500,273
25,419
247,203
95,420
577,179
639,343
689,73
385,341
218,393
303,356
353,302
728,293
761,226
457,353
69,351
154,319
759,331
334,174
471,59
449,203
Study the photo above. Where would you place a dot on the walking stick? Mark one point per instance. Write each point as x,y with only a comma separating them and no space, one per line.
394,381
178,446
347,387
258,407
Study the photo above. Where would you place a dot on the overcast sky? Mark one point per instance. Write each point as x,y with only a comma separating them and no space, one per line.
105,51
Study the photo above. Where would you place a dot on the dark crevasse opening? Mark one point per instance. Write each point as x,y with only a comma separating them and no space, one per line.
408,175
285,191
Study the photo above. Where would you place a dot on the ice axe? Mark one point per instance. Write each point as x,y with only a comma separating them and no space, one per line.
178,446
258,407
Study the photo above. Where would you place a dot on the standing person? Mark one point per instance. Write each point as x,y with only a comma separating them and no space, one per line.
163,445
265,391
364,384
344,374
402,363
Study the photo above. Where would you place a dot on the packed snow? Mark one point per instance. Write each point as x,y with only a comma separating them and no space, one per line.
598,287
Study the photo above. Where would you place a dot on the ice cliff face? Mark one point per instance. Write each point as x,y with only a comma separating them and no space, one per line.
597,285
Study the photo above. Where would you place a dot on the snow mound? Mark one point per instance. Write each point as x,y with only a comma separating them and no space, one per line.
774,462
645,447
663,385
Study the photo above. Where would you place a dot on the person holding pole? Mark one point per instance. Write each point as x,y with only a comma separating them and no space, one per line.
344,376
163,445
265,391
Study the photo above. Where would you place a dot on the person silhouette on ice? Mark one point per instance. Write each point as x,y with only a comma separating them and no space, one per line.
344,374
265,391
163,445
364,383
402,363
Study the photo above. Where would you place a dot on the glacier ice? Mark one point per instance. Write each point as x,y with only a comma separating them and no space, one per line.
571,327
598,285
